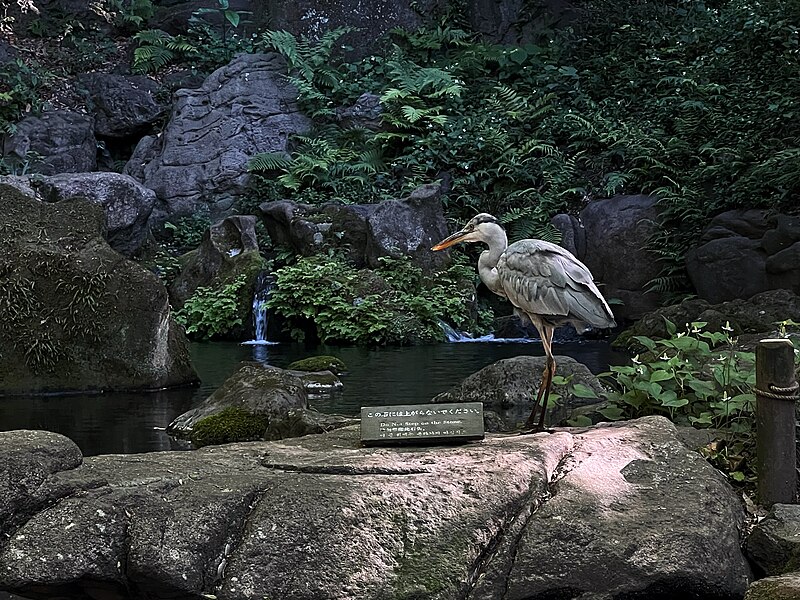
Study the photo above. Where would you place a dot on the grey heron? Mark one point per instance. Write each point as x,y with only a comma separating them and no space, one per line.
547,285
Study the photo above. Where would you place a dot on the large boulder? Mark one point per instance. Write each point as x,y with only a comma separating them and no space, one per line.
508,387
123,105
126,203
622,511
611,238
365,232
744,252
76,315
59,141
756,316
774,544
199,162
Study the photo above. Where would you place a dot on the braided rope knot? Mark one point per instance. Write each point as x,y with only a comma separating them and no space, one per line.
779,393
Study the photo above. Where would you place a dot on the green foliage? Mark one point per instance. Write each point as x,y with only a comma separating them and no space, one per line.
20,86
188,232
213,312
394,304
694,378
203,46
231,424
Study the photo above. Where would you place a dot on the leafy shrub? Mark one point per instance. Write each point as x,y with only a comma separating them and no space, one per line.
20,86
395,303
188,232
211,312
693,378
203,45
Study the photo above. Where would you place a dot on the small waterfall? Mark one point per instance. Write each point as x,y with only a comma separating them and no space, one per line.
260,314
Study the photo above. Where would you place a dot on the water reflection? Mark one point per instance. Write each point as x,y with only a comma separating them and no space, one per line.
134,422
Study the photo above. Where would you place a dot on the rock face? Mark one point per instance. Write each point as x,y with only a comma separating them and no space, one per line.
126,203
758,315
744,252
76,315
610,238
508,387
62,142
774,544
229,249
623,511
123,105
365,232
199,162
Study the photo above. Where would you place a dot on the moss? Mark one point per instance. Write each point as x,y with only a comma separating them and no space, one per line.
232,424
319,363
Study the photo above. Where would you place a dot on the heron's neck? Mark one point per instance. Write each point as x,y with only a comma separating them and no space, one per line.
497,241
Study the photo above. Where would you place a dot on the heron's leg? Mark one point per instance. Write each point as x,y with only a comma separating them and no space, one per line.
546,331
550,370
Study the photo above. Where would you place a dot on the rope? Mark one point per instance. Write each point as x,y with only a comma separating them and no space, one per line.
779,393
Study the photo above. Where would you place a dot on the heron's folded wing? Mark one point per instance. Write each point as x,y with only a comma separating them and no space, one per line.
545,279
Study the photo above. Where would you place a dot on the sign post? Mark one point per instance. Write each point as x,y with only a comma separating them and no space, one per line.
421,423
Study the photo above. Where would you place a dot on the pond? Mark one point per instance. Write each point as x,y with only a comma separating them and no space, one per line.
134,422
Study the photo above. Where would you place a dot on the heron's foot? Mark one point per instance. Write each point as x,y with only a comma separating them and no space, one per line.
528,430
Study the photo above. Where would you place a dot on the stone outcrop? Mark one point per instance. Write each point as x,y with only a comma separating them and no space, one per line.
199,162
123,105
127,204
508,387
757,315
75,314
745,252
622,511
610,237
59,141
278,397
774,544
365,232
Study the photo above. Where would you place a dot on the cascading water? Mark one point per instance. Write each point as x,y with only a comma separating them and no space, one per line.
260,314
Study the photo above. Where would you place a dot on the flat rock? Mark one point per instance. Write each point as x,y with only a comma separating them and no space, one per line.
622,511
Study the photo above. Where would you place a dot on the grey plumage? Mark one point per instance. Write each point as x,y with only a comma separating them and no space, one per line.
547,285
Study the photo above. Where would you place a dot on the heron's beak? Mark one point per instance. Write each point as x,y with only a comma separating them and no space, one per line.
450,241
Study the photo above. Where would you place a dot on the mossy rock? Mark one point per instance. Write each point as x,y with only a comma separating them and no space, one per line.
232,424
319,363
74,313
782,587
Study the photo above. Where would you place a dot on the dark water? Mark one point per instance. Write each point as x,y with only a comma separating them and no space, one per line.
134,422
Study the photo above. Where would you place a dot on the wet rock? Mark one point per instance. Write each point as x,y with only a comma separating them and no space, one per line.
305,421
259,389
319,363
229,251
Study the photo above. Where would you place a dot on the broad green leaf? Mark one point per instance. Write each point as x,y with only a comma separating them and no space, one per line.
583,391
660,376
612,413
675,403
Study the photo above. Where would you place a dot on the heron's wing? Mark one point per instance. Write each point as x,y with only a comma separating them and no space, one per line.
545,279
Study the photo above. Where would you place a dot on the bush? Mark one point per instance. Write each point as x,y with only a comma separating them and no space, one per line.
395,304
213,312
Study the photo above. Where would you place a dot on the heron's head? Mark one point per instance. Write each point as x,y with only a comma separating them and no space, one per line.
480,228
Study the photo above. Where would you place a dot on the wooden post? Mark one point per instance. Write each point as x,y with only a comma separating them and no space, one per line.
776,390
